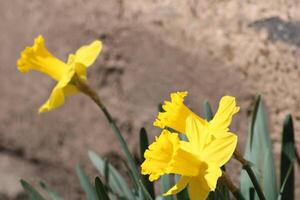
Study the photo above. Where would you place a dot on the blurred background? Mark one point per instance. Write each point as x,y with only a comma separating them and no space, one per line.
151,48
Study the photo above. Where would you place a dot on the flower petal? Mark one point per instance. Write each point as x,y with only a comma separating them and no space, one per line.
179,186
196,191
62,89
223,117
220,150
196,133
86,55
212,175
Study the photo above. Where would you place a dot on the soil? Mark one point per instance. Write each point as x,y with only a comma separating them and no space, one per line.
151,48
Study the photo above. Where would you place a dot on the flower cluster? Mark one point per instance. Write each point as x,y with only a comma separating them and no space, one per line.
198,160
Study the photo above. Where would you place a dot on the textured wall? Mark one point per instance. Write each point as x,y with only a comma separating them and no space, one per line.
210,48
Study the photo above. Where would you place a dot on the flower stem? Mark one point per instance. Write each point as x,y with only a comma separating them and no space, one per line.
87,90
246,166
233,189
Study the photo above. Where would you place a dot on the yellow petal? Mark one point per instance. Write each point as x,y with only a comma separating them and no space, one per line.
166,156
223,117
180,185
212,174
196,191
196,133
37,57
175,113
86,55
220,150
60,91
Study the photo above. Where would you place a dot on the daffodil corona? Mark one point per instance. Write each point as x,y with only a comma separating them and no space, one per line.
38,58
210,145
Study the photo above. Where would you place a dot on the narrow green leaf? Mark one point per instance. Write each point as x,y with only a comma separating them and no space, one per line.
284,183
288,157
208,114
144,143
115,181
86,184
100,190
259,152
52,194
165,182
32,193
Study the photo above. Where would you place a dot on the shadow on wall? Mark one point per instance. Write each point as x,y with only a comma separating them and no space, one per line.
279,30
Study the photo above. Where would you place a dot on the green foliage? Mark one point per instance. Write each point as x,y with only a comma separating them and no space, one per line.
288,156
113,178
165,185
88,188
32,193
100,189
144,143
258,152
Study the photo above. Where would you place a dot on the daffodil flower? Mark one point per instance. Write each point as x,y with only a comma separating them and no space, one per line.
176,113
199,160
38,58
196,160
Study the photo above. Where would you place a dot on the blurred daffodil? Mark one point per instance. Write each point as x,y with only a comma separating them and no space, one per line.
175,115
196,160
38,58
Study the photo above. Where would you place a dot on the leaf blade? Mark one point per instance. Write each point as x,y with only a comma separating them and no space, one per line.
32,193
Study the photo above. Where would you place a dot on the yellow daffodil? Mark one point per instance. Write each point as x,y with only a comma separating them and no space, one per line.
196,160
199,160
176,113
38,58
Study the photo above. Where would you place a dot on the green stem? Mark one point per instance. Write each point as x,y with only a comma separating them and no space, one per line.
83,87
247,167
229,184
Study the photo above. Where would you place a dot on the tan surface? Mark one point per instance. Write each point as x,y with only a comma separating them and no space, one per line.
151,48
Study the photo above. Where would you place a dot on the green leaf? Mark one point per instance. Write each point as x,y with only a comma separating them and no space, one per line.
86,184
183,195
52,194
208,114
259,153
288,157
101,192
115,181
165,182
144,143
33,194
